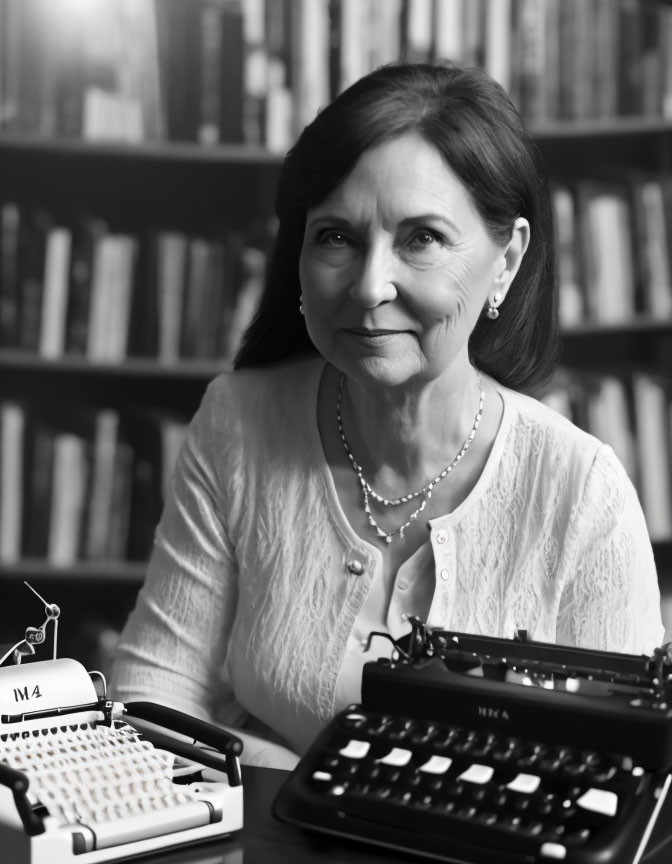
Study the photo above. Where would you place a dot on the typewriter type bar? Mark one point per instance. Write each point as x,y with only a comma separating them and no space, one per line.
80,780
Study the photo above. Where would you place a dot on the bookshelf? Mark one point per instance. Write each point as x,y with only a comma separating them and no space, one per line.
198,175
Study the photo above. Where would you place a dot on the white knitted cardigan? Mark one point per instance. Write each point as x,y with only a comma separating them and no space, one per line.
251,598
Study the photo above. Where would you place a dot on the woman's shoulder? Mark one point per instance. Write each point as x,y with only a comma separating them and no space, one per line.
544,450
267,388
532,418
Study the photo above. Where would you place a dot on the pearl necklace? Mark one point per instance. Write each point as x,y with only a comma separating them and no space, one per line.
368,491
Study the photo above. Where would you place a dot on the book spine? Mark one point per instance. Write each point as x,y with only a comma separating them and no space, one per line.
12,432
55,294
67,499
9,274
449,25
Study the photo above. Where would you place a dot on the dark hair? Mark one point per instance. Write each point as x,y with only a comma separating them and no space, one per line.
471,121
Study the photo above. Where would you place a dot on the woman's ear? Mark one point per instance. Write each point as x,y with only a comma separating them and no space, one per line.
508,263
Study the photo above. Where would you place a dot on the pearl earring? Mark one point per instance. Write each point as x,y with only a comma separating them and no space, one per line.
301,305
493,311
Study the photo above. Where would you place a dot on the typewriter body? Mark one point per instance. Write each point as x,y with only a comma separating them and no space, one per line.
487,751
86,779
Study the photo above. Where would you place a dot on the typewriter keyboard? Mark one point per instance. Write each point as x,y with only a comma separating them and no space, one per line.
475,786
93,774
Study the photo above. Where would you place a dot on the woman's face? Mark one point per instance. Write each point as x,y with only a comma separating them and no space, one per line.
396,267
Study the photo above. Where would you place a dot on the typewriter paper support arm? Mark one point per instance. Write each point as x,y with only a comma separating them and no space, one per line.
222,742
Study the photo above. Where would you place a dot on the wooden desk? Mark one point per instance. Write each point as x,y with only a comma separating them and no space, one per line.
264,840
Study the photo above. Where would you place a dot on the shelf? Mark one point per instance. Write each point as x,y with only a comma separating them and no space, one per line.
137,381
603,128
245,154
644,343
208,190
132,367
131,572
638,324
148,151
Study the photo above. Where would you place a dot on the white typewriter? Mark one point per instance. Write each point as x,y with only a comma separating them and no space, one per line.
86,779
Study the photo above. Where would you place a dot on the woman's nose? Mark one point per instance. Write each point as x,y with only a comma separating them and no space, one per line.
374,284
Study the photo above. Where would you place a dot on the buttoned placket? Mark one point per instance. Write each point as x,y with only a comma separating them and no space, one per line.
443,546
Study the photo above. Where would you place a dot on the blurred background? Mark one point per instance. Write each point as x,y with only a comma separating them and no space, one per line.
140,145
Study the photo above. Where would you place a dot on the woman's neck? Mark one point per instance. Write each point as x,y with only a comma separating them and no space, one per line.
402,437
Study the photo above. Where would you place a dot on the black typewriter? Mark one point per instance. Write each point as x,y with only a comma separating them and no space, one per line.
482,750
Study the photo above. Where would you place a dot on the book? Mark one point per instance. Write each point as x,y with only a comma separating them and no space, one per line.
12,430
108,116
211,74
140,433
232,71
85,238
666,55
279,117
553,60
10,63
651,61
109,111
119,531
178,38
310,60
9,274
255,72
528,38
37,473
419,31
111,291
68,497
385,21
353,29
572,303
652,230
498,28
606,59
33,231
630,52
652,408
170,268
473,33
449,22
607,253
609,420
101,494
247,298
195,298
55,293
139,74
279,109
32,51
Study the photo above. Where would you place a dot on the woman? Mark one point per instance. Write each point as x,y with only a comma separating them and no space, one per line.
372,456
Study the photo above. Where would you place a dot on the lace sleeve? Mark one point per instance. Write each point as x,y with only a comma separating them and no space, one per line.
611,599
174,644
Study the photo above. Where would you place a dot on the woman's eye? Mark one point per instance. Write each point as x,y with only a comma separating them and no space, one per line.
424,239
333,240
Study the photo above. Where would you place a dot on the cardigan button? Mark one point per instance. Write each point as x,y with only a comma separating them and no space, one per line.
355,567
